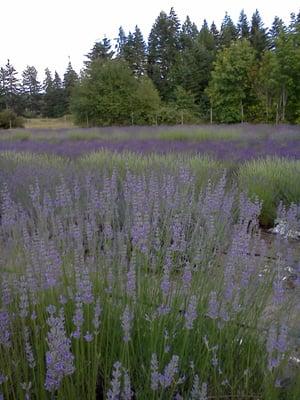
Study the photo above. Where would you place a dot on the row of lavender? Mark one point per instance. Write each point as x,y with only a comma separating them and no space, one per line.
236,150
143,287
239,143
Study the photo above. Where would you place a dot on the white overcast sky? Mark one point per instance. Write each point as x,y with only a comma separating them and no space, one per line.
45,33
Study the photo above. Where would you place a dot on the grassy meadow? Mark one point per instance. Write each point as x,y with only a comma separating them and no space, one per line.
136,263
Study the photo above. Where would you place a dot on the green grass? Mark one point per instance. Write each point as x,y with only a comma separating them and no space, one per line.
49,123
272,180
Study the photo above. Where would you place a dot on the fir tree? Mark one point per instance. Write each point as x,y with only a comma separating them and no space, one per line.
243,26
31,90
258,35
276,28
121,42
10,86
215,33
101,50
228,31
70,80
163,52
134,52
188,34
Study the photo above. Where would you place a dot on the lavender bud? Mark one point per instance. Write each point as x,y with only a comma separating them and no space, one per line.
126,320
191,313
154,372
213,306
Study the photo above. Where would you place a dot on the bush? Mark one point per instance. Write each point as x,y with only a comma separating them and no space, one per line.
109,94
168,115
9,119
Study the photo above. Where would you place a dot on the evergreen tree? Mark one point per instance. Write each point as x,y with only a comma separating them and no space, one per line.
134,52
215,33
228,31
54,97
188,34
258,35
101,50
48,81
243,26
10,87
195,68
163,52
277,27
206,38
31,91
121,42
70,80
2,88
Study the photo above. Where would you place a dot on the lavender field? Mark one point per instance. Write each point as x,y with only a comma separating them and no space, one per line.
238,142
149,274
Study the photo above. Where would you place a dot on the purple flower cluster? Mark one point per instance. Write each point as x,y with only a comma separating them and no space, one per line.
167,378
59,359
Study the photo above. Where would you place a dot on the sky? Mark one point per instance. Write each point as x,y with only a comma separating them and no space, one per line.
47,33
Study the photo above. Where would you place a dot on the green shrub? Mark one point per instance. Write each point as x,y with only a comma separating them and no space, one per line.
9,119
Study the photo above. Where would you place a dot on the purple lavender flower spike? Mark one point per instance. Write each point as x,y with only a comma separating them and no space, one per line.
213,306
59,359
191,313
166,379
115,390
126,320
5,332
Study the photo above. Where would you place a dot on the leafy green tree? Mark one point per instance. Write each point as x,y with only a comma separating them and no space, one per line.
287,52
228,31
267,88
243,26
184,99
230,88
109,94
258,34
146,102
31,91
163,52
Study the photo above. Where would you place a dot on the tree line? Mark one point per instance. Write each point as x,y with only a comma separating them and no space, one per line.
241,72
